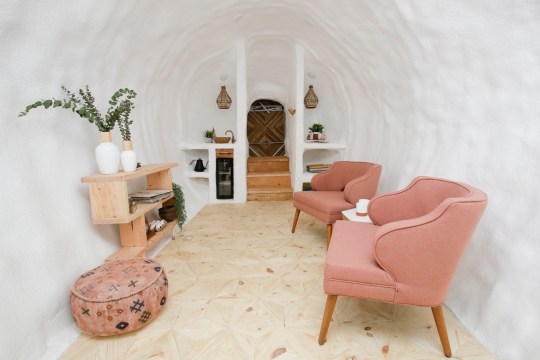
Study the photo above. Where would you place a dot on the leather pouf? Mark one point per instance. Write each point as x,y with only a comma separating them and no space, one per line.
119,296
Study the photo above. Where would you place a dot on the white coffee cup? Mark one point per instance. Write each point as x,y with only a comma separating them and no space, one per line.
361,207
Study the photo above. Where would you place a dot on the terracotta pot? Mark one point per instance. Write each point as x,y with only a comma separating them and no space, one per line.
316,136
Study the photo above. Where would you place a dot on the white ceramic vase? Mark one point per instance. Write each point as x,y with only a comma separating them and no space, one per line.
107,155
128,158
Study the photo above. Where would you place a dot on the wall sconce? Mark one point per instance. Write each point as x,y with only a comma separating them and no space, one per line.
223,100
311,100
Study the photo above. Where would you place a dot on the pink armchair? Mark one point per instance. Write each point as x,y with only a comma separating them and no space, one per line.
410,252
335,190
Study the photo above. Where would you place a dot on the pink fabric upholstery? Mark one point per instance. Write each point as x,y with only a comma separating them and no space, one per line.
351,268
338,189
119,296
418,238
324,205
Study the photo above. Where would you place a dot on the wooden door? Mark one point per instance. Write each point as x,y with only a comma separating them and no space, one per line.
266,133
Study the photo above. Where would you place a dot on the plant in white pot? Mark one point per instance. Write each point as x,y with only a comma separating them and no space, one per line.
128,158
316,132
83,104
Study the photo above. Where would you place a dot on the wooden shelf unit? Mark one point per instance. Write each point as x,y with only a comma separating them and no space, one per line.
109,205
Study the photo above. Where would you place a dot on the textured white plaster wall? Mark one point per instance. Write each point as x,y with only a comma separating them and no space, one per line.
439,88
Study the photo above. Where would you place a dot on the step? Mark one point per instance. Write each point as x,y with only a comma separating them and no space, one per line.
269,194
269,179
267,164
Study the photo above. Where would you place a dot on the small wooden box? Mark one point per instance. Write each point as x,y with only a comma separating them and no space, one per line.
224,153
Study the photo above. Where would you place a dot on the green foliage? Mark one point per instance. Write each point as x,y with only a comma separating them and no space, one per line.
83,104
316,127
180,204
208,134
121,105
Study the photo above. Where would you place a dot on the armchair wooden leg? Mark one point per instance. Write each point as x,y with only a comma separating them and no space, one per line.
441,328
328,234
295,220
328,310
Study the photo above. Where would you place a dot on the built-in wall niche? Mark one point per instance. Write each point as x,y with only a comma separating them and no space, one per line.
189,159
318,156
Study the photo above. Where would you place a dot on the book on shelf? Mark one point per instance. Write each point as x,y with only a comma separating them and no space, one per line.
150,196
317,168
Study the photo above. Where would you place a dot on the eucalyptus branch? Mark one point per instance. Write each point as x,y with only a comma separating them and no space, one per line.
83,104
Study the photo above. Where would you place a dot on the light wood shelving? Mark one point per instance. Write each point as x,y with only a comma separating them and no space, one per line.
109,205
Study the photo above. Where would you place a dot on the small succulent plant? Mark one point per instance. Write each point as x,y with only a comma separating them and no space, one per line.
316,127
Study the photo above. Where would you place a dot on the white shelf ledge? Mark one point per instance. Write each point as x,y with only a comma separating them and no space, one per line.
196,174
324,146
206,146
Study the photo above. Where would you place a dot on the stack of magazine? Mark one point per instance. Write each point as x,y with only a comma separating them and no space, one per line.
317,168
150,196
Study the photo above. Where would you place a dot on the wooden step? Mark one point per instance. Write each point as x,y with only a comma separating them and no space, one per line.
269,194
269,179
267,164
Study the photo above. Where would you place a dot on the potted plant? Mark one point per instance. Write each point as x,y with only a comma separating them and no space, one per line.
83,104
316,132
208,135
128,158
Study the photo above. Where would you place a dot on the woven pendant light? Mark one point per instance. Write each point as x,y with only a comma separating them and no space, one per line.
223,100
311,100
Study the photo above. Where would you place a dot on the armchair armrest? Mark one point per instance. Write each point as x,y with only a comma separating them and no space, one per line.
421,254
365,186
327,180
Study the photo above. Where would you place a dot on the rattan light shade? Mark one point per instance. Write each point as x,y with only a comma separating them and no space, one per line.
223,100
311,100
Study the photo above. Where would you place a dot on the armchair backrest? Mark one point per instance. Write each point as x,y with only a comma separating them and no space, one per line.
339,174
419,198
422,253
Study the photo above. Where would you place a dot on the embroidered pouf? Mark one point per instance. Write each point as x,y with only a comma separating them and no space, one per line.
119,296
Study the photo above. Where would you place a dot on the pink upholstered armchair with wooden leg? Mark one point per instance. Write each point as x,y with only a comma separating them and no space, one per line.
337,189
410,252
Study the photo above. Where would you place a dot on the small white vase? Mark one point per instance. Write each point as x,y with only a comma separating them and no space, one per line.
107,155
128,157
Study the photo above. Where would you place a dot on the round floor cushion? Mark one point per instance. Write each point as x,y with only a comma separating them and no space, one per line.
119,296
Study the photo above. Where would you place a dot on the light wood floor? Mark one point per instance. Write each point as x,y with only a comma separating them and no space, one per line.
241,286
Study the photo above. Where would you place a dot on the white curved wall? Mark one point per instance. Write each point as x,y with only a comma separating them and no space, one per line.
437,88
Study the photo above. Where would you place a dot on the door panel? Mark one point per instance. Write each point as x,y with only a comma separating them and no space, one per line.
266,133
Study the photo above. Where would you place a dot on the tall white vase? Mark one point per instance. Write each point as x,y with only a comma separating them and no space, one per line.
107,155
128,157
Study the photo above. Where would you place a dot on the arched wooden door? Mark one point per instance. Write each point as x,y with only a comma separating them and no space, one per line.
266,129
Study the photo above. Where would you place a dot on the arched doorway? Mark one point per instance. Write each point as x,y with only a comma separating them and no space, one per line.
266,128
